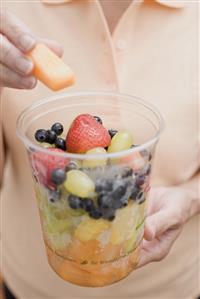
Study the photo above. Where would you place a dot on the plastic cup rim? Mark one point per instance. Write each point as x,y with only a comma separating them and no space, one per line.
31,145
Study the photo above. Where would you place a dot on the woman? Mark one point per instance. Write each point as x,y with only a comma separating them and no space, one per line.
145,48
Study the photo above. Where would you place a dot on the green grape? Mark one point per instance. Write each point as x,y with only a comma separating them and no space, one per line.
78,183
120,142
54,224
96,162
57,226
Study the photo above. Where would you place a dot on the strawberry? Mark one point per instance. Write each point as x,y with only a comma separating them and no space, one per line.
43,164
86,133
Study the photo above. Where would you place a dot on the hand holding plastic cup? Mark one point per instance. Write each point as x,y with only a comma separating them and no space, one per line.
92,205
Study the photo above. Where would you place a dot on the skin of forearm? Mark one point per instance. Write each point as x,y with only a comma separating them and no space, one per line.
191,190
2,154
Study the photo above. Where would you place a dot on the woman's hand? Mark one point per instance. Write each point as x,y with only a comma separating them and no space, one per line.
169,209
15,41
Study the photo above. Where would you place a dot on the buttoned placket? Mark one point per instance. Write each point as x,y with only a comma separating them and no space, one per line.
119,38
117,44
112,46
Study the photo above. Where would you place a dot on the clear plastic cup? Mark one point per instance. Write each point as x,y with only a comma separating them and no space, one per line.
81,249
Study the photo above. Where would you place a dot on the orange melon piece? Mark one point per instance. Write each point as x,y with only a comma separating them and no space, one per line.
111,252
93,275
84,251
92,251
50,69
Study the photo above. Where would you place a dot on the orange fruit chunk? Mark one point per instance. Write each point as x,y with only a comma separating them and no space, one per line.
50,69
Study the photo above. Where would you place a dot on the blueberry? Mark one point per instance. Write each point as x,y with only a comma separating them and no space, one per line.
140,180
58,176
134,192
75,202
119,192
88,204
57,128
124,200
126,172
51,137
99,187
112,132
104,201
104,185
111,218
108,214
117,204
98,119
72,165
54,195
60,143
95,213
41,135
140,198
120,202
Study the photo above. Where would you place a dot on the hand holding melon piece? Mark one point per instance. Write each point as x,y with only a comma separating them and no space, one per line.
50,69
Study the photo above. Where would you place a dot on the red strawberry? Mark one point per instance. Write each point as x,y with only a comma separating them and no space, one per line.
86,133
43,164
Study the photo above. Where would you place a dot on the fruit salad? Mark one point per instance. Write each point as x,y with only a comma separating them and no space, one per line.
92,206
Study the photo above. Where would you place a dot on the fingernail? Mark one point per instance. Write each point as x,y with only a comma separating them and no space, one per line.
29,82
27,42
23,65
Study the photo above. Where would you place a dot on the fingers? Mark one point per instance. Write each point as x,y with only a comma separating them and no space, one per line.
160,222
16,31
15,41
156,250
13,58
19,34
155,204
156,224
14,80
53,45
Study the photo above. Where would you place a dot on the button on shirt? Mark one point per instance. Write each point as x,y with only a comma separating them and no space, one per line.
152,54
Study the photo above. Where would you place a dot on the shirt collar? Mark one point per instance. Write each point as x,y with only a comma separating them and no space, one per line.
173,3
169,3
56,2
